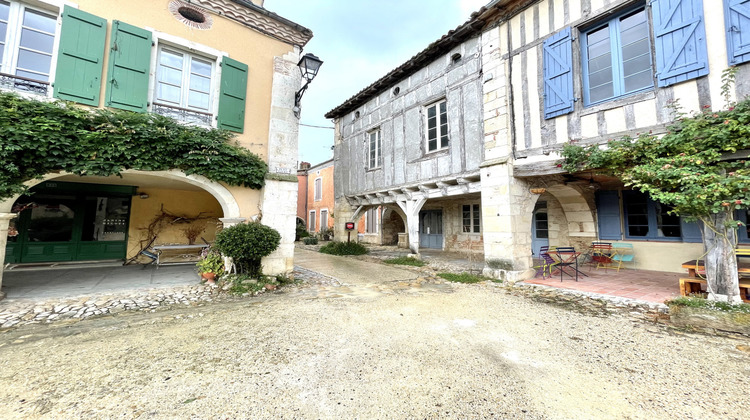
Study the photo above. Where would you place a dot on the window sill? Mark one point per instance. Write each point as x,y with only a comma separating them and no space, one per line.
665,240
377,168
619,102
183,115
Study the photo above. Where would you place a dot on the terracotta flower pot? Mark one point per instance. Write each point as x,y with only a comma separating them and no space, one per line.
210,277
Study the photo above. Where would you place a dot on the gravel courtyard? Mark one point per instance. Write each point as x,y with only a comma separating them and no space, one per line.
375,342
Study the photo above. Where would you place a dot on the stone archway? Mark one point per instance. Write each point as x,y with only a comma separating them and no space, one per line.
392,223
225,199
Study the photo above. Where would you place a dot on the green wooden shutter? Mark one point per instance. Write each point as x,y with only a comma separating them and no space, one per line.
128,67
80,58
232,95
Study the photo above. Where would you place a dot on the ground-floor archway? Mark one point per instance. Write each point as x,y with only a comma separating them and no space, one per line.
73,218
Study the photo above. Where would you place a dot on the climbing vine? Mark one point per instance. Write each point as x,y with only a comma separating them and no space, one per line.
37,138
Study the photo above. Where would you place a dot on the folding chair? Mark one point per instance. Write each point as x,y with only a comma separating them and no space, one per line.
623,253
601,254
546,265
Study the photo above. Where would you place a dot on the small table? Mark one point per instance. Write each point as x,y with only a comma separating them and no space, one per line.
187,251
693,283
567,257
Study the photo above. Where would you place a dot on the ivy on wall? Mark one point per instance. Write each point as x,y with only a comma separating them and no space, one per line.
37,138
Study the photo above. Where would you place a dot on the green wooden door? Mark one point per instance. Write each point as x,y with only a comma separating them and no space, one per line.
69,225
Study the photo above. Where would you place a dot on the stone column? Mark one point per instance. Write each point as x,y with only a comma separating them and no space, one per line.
4,224
507,209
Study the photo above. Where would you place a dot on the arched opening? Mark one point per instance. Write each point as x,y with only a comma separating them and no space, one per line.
68,218
393,224
561,216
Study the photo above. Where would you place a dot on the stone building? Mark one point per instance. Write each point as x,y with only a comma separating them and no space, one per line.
547,72
230,64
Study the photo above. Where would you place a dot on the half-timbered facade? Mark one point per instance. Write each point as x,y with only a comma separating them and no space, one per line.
589,71
548,72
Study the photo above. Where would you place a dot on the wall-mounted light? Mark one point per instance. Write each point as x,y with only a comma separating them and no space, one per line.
309,66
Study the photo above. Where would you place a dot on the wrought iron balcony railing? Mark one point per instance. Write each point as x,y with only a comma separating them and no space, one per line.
23,84
182,114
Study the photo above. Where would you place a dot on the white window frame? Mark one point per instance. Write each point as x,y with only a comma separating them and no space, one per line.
374,155
311,221
190,47
323,225
440,130
318,189
472,219
9,61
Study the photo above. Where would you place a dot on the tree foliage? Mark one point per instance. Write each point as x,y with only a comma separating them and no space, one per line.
37,138
700,167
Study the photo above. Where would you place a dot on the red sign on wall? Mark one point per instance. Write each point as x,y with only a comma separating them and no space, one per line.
349,225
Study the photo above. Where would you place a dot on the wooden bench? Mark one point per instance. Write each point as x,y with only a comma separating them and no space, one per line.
189,254
692,285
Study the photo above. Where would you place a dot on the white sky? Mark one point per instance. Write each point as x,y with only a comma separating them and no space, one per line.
360,41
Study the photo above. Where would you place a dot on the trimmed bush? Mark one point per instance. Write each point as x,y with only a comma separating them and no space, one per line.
343,248
310,240
247,243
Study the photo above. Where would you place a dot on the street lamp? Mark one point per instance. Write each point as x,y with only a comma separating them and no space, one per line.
309,66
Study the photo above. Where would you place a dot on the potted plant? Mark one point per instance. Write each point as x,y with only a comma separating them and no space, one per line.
210,267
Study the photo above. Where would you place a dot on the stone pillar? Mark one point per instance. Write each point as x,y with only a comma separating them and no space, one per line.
280,213
411,209
4,224
279,195
507,209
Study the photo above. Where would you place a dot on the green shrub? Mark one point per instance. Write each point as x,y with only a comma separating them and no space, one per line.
463,277
343,248
310,240
695,302
247,243
405,261
301,232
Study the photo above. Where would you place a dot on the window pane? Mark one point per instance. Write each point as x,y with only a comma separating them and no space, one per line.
602,64
33,61
51,222
4,10
602,92
170,75
200,83
168,93
444,141
168,58
36,20
638,81
198,100
637,230
37,40
432,134
432,145
431,113
105,219
3,31
201,67
30,75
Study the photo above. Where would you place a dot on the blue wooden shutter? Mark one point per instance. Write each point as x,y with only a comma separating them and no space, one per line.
608,215
128,68
80,57
691,231
737,21
680,35
558,74
232,95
